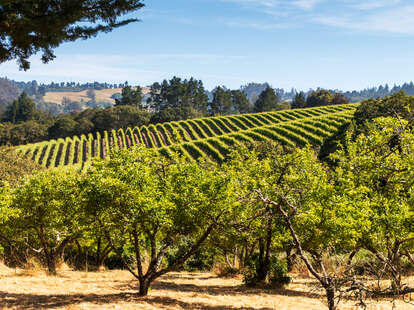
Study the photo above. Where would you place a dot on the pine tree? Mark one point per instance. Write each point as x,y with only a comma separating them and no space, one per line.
267,101
30,26
21,110
222,101
299,101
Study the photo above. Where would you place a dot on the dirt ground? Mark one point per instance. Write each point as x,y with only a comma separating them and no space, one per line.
117,290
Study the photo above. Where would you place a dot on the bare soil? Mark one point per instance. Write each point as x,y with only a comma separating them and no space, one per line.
117,290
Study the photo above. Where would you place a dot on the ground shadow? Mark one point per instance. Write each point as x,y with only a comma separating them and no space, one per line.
129,295
31,302
217,290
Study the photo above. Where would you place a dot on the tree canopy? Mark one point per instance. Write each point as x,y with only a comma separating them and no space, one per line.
30,26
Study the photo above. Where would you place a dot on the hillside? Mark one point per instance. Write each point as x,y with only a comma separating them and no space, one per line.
8,93
103,95
206,137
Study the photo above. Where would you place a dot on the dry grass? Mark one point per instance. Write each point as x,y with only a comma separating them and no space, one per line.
117,290
103,95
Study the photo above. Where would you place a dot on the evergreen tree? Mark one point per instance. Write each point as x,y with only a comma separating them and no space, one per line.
30,26
184,98
222,101
299,101
267,101
130,96
240,102
21,110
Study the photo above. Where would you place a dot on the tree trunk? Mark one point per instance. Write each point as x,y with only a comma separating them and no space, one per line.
330,296
144,285
51,263
290,258
264,253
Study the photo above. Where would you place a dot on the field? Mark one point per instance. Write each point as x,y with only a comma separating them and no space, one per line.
116,290
210,137
103,95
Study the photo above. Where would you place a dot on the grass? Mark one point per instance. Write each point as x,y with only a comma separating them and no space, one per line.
103,95
117,290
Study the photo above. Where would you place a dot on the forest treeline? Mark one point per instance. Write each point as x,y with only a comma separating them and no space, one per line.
348,219
9,90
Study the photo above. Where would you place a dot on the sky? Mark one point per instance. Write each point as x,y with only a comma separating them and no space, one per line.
302,44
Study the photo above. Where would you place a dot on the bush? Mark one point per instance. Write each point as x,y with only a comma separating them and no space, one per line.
228,272
278,273
277,276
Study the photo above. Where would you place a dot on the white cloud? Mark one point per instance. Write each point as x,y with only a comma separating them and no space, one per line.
398,20
306,4
253,25
115,69
374,4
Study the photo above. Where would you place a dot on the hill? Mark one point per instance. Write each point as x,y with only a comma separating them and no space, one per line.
8,93
103,95
210,137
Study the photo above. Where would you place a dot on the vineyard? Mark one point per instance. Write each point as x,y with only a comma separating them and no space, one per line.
205,137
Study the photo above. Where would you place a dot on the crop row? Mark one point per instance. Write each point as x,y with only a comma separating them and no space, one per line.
195,137
298,132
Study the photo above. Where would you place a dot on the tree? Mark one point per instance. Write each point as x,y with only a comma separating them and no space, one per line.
240,102
183,96
255,228
21,110
148,204
49,215
8,92
22,133
339,99
380,165
397,105
30,26
63,127
299,101
222,102
267,101
91,94
131,97
318,214
319,98
118,117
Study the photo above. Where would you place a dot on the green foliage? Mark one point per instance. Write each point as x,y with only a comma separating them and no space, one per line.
240,102
324,97
299,101
396,105
15,166
277,272
131,97
159,202
177,100
287,127
30,26
378,169
222,102
49,213
21,110
267,101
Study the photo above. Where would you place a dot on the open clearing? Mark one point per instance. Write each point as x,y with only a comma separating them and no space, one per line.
103,95
116,290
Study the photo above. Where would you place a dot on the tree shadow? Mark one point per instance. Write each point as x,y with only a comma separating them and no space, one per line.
31,302
129,294
217,290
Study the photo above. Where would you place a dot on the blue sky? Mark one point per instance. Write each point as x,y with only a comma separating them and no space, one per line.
339,44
